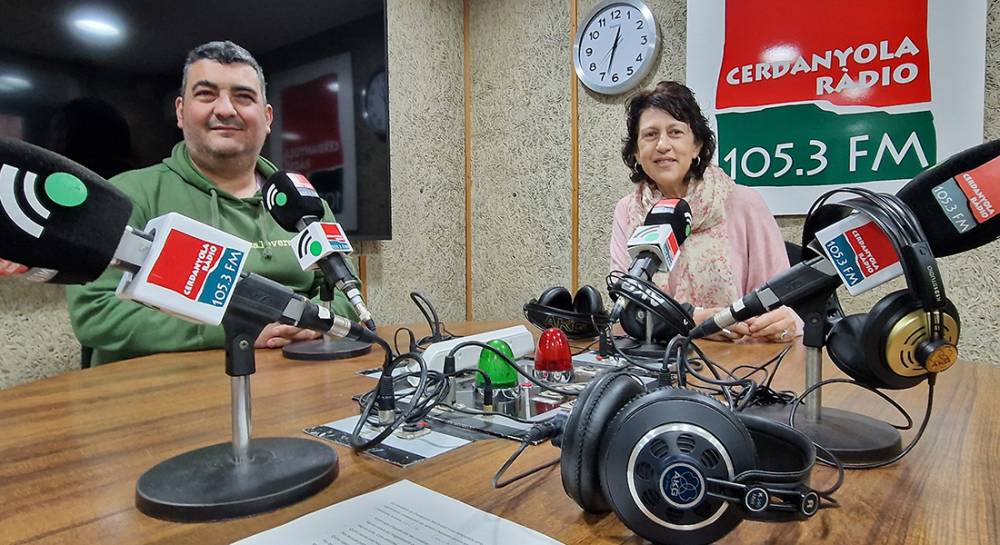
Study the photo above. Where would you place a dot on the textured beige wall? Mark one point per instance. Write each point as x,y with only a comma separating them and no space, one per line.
427,158
37,339
520,153
521,178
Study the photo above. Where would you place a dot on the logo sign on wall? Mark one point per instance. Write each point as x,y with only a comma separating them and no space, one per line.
805,96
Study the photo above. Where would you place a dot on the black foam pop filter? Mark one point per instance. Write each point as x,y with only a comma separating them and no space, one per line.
673,212
289,197
57,214
957,201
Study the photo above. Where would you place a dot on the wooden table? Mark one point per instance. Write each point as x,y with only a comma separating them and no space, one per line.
72,447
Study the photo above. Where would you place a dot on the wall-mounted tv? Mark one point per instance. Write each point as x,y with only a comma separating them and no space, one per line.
97,83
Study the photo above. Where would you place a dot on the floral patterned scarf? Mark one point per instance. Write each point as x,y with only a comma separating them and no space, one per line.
703,275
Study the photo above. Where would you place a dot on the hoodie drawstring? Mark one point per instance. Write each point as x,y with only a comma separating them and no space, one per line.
216,220
262,213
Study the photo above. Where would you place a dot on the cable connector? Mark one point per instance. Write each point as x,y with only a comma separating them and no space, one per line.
487,396
449,364
547,429
385,400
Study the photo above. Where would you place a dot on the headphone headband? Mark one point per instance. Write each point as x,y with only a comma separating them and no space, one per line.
653,300
896,220
758,500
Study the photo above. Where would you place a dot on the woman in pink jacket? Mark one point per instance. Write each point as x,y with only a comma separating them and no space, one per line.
735,244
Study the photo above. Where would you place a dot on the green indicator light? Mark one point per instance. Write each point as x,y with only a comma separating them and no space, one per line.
315,247
501,373
281,199
65,189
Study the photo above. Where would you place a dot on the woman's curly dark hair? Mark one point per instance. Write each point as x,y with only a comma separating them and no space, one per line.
677,100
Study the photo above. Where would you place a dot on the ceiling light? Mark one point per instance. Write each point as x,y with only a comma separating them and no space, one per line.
10,83
97,26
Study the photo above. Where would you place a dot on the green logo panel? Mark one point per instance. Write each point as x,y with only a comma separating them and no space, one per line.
804,145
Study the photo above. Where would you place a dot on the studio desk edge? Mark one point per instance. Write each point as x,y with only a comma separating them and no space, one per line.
73,446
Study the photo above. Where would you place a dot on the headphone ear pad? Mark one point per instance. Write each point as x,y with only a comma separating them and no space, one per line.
582,436
556,297
588,300
845,348
663,331
890,310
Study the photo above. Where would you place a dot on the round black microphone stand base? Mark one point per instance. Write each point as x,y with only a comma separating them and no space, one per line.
325,349
853,438
206,484
646,349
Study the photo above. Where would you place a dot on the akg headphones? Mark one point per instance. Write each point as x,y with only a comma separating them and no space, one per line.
892,346
580,316
677,466
669,318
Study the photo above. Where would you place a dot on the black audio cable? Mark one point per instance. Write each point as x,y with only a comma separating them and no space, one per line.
433,322
931,379
550,428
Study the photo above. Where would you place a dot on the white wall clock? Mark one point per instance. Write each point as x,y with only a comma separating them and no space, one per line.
615,46
375,104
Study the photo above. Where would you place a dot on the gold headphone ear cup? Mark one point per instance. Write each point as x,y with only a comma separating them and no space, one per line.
890,338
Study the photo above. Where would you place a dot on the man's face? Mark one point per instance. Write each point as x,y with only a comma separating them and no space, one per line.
222,112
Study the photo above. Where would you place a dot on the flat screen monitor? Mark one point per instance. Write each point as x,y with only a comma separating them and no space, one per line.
97,83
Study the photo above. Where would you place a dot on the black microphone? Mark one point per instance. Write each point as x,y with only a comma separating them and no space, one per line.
294,204
261,300
59,218
655,249
805,279
957,202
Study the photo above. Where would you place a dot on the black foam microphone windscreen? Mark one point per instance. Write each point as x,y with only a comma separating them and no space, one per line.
957,202
57,214
289,198
676,213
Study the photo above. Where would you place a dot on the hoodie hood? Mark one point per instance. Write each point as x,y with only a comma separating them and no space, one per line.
180,162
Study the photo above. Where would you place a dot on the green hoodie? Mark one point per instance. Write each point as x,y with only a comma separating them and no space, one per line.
119,329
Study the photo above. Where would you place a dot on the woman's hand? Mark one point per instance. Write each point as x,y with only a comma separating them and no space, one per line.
777,326
276,335
732,333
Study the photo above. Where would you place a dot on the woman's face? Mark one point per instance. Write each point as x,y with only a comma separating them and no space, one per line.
665,149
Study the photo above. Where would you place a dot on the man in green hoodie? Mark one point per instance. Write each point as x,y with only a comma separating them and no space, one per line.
214,176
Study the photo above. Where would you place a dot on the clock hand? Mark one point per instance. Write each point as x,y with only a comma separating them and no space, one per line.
614,47
606,55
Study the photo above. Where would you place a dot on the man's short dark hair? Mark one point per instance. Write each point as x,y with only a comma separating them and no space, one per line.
223,53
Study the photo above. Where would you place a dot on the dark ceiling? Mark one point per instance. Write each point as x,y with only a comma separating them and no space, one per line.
160,32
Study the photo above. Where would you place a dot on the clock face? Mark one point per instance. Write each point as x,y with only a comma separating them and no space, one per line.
375,103
615,46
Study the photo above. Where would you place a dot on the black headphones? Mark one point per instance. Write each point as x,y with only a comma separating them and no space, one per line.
670,318
580,316
909,333
678,467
